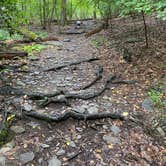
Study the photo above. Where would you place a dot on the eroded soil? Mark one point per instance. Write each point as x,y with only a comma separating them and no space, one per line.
84,143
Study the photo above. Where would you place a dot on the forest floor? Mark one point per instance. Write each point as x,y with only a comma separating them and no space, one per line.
103,142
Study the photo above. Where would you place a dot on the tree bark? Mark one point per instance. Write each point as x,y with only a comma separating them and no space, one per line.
145,29
63,13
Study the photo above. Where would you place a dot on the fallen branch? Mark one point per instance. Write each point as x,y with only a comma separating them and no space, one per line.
94,31
71,64
74,32
12,54
15,67
38,40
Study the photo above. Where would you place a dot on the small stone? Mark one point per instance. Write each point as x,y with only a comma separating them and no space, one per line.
70,154
27,107
60,152
40,160
10,144
3,150
2,161
17,129
33,58
20,83
105,127
26,157
33,124
147,105
79,109
93,109
54,162
115,129
78,137
44,146
111,140
72,144
66,40
79,129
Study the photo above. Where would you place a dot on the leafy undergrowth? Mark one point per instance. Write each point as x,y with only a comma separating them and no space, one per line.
32,49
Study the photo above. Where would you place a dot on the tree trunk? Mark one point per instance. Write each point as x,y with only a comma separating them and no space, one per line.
63,13
145,29
44,14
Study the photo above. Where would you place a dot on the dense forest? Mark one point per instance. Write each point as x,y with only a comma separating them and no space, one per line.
82,82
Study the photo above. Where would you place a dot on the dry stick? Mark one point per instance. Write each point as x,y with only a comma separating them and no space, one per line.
12,54
71,64
74,156
124,82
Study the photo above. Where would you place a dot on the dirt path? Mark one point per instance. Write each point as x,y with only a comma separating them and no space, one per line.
80,143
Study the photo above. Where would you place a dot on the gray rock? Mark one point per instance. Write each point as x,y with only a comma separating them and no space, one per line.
80,109
78,137
60,152
66,40
147,104
26,157
93,109
27,107
17,129
20,83
55,43
2,161
115,129
9,146
18,100
33,58
111,140
33,124
54,162
72,144
40,160
44,146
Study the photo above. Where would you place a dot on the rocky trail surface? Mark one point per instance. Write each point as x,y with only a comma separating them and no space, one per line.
78,71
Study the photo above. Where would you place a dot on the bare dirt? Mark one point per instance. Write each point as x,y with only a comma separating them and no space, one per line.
102,142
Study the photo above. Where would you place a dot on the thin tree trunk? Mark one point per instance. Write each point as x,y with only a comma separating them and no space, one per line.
63,13
145,29
44,14
52,14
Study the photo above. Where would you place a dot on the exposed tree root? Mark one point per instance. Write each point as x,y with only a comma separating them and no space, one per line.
82,94
12,54
74,32
71,64
14,68
98,77
73,115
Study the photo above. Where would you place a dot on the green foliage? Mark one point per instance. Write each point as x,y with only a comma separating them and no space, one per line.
42,34
156,95
32,49
10,14
5,35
